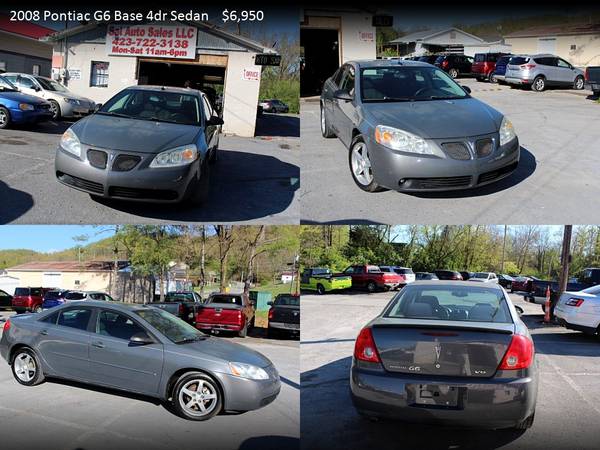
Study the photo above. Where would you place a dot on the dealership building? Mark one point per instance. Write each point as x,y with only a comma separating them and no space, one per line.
21,50
97,60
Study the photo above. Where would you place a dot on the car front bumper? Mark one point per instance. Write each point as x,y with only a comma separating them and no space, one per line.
143,184
242,394
29,117
407,172
482,402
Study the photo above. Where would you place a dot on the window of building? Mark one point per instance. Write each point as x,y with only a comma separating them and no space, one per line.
573,47
36,69
99,74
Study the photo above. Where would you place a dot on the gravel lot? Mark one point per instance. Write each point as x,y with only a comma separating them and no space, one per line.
555,181
255,180
568,398
68,416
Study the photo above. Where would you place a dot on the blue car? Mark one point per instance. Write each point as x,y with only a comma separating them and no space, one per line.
500,70
19,108
54,298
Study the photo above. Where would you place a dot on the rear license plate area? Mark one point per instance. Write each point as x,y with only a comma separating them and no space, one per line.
435,396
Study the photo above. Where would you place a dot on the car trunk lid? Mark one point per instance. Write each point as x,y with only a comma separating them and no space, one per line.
447,349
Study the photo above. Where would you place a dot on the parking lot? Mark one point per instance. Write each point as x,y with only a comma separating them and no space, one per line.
568,397
555,181
68,416
255,180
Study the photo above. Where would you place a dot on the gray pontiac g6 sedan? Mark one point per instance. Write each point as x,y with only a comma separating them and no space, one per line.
452,353
410,127
140,349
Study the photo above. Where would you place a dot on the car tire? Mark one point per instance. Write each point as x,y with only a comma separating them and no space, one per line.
579,83
371,287
55,108
213,155
358,148
527,423
453,73
492,78
198,191
244,331
181,398
26,367
38,309
325,128
539,84
272,333
4,118
320,289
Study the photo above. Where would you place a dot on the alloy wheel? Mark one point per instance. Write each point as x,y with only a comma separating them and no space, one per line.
322,120
198,397
25,367
579,83
3,118
539,84
361,164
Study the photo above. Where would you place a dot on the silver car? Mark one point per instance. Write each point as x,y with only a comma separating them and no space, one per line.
542,71
63,103
141,349
410,127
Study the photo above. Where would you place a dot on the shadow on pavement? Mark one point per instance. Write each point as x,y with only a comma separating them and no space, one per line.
277,125
526,168
270,443
244,186
13,203
49,127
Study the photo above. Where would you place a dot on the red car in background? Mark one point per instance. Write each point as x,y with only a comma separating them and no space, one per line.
226,312
28,299
484,66
372,278
522,284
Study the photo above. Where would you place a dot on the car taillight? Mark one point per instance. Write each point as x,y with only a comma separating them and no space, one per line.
587,73
519,354
527,66
6,326
445,64
577,302
364,348
271,314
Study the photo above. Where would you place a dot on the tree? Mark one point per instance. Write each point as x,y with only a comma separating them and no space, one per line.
225,239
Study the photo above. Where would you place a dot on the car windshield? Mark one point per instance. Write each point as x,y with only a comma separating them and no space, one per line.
159,106
403,83
462,303
6,85
51,85
287,300
226,299
172,327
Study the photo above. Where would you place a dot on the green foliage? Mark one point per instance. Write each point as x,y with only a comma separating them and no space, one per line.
286,90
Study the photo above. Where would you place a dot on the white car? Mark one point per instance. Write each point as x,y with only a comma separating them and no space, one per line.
63,103
580,310
484,277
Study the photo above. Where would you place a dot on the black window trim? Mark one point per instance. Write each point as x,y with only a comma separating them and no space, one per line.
96,320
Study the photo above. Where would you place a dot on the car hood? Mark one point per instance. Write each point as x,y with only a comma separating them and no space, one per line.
436,119
69,95
143,136
21,97
223,351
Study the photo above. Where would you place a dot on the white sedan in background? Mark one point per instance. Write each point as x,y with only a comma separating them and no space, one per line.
484,277
580,310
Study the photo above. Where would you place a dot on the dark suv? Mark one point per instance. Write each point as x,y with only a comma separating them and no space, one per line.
484,66
455,65
448,275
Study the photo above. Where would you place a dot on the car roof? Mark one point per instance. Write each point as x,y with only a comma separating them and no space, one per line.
362,63
493,286
156,88
121,306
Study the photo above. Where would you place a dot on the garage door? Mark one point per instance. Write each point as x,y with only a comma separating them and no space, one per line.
547,45
52,280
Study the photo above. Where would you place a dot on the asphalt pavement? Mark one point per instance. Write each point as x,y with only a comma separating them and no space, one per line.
255,180
568,397
555,182
59,415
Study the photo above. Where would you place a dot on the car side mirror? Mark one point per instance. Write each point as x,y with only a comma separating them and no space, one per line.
98,106
270,303
467,89
140,338
37,89
343,95
214,121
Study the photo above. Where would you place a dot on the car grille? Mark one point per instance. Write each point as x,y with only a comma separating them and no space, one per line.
80,183
457,150
124,163
142,194
436,183
484,147
498,173
97,158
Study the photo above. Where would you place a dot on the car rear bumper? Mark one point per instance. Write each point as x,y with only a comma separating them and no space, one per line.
592,86
168,185
291,327
414,173
482,403
569,317
519,81
242,394
218,326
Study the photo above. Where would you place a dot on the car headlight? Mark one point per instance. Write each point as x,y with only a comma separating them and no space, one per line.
26,107
72,101
175,157
70,143
401,140
247,371
507,131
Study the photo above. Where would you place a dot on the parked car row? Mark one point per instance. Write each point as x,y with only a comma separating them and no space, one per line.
273,106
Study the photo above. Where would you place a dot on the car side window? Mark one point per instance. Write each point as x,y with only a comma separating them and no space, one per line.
51,318
349,270
359,269
75,318
117,325
348,81
208,112
562,63
25,82
35,292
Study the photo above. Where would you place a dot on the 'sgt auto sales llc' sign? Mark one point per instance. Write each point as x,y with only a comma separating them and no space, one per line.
154,41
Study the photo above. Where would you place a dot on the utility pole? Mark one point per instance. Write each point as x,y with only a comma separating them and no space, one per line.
565,259
503,250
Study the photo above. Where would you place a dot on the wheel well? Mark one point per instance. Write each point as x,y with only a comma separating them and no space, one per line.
180,372
355,132
14,349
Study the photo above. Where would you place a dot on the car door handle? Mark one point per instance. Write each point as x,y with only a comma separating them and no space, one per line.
98,344
44,332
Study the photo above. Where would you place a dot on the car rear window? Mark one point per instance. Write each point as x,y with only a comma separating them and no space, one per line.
287,300
404,271
450,303
75,296
226,299
179,297
503,60
480,57
21,292
53,295
518,60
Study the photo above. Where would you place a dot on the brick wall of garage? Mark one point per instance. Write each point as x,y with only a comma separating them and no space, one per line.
586,53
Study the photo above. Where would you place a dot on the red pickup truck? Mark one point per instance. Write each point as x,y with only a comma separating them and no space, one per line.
225,312
28,299
372,278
